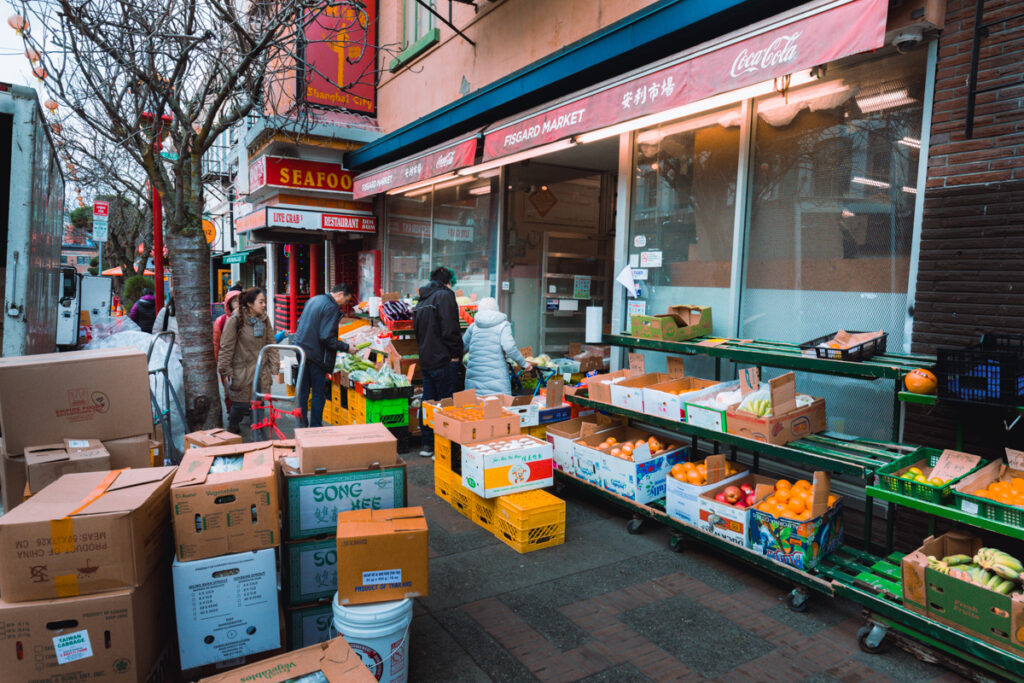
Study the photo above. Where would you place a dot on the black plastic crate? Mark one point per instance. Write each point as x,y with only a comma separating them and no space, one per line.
381,394
403,437
859,352
989,372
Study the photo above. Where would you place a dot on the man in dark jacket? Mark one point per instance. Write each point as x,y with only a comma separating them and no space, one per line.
436,323
143,313
317,335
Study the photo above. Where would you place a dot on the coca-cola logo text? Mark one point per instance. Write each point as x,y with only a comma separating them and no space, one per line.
781,51
445,160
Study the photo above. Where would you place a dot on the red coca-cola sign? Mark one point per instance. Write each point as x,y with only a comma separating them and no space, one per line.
778,49
440,162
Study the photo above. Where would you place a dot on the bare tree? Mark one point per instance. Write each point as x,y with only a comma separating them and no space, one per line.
175,74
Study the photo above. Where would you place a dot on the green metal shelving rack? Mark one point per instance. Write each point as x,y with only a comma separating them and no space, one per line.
868,580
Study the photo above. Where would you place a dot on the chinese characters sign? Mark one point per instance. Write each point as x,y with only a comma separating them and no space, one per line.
341,58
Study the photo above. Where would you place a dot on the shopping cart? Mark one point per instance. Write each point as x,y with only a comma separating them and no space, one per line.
265,401
160,384
517,375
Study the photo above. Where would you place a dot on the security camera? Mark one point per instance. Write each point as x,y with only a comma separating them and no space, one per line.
908,38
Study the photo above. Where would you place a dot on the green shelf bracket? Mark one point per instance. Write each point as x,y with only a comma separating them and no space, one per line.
947,512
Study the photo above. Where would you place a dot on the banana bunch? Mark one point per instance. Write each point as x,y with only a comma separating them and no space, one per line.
1002,564
759,407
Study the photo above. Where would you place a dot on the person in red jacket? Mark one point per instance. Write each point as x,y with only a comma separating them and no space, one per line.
230,306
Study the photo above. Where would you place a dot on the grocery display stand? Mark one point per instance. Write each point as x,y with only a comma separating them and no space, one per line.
872,581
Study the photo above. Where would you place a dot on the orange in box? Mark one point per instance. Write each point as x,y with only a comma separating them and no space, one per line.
470,420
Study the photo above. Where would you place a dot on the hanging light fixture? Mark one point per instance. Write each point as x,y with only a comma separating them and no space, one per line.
18,23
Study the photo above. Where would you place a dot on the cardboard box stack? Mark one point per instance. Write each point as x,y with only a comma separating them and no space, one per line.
226,520
482,461
336,661
84,578
95,396
333,470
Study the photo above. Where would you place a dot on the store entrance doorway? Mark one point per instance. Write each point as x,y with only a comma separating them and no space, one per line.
558,244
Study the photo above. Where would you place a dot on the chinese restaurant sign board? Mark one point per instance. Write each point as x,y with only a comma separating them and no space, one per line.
298,174
341,58
857,26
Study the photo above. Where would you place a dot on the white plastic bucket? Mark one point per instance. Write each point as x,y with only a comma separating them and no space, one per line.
373,307
379,633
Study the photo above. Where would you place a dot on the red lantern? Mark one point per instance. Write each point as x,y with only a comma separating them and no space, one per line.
31,55
18,23
51,105
56,128
39,72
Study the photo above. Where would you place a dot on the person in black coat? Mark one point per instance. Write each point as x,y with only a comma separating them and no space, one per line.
439,338
317,335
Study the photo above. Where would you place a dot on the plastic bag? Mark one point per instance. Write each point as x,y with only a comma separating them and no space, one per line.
140,340
104,327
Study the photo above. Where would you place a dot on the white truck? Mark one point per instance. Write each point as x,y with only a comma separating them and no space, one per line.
32,284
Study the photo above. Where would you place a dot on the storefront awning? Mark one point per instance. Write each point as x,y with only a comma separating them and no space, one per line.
238,256
811,35
431,165
285,224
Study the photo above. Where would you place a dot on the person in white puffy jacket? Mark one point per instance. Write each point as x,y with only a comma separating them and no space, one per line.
489,342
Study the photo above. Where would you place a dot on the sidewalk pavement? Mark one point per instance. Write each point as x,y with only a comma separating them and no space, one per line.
609,606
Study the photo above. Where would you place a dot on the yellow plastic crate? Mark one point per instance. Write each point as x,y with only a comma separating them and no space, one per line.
443,478
356,407
540,431
528,540
289,390
461,498
342,415
428,414
484,510
531,509
442,451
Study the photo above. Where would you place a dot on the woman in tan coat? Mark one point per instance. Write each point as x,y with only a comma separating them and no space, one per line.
246,332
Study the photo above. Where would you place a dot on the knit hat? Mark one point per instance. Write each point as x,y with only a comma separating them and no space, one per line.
229,296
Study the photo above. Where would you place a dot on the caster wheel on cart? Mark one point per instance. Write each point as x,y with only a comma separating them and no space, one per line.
635,525
871,639
798,600
676,544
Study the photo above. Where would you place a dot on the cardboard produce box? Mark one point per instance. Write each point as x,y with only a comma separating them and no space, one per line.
314,501
86,533
524,407
209,438
587,458
550,406
668,399
800,543
335,660
404,354
113,636
682,497
678,324
100,394
561,435
463,422
786,423
311,570
133,451
226,607
382,555
225,500
641,479
629,393
46,464
339,449
993,617
507,465
13,480
723,520
599,386
703,408
310,624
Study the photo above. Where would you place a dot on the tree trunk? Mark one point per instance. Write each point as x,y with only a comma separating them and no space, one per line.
191,285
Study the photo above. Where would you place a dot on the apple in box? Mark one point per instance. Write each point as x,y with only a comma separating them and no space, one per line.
724,511
686,481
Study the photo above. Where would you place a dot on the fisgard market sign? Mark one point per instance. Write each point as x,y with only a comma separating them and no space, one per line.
298,174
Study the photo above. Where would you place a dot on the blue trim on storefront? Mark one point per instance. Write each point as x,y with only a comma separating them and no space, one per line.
648,35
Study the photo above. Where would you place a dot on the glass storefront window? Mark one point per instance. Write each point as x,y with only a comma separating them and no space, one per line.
408,243
684,207
832,193
450,226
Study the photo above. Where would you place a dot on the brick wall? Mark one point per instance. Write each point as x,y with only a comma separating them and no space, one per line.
971,271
